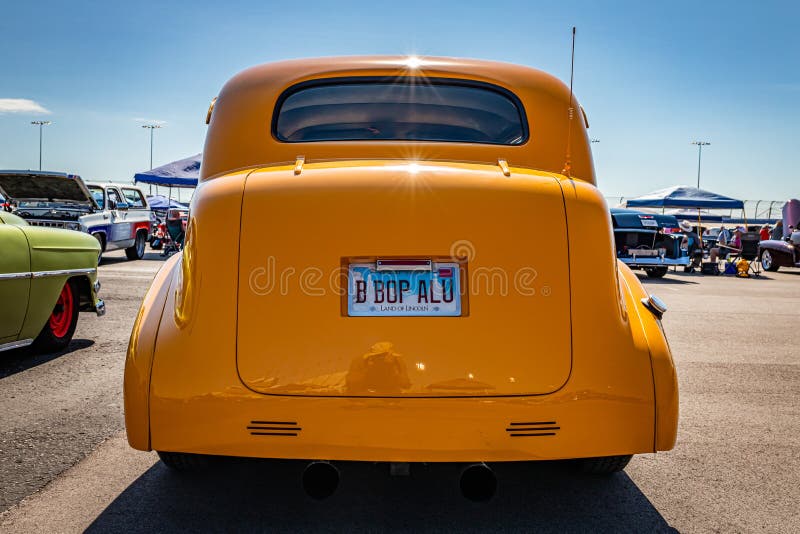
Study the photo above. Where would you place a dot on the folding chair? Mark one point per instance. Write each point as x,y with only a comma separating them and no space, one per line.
749,252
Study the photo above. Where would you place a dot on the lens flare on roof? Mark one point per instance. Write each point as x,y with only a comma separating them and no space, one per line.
413,62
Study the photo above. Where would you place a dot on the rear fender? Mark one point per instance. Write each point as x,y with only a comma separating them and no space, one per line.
139,361
611,357
665,379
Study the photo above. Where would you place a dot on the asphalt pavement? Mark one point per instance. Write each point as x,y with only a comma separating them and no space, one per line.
65,465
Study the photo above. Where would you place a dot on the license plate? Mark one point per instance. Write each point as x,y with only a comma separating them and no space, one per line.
652,223
404,288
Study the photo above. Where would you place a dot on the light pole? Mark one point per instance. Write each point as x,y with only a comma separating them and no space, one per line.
151,127
40,124
700,145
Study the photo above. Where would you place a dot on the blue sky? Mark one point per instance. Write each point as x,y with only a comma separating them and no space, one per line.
651,76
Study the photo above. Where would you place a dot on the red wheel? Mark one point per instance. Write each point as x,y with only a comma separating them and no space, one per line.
60,327
61,318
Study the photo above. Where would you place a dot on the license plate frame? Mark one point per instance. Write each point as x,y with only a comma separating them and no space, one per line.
444,282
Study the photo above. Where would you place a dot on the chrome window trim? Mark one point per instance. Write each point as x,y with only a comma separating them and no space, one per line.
46,274
15,344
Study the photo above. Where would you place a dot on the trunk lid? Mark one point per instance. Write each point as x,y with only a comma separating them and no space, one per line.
300,232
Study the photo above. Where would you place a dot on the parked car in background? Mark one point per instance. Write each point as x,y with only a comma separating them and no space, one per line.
775,254
389,294
47,276
126,220
643,241
116,215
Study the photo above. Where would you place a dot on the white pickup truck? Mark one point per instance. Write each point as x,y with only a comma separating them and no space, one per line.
117,215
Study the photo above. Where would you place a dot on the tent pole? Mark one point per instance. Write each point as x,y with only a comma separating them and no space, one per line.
699,229
700,237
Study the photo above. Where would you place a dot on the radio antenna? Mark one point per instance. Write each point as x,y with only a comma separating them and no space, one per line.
568,158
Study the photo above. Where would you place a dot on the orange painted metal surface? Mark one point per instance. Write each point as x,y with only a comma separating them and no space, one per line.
239,132
255,355
527,346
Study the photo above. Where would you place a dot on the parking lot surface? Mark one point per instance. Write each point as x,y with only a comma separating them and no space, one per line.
65,464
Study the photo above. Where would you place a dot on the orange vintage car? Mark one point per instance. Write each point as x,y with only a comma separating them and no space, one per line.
399,260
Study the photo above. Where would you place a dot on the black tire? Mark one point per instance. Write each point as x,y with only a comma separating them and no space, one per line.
136,252
656,272
605,465
57,332
183,461
768,261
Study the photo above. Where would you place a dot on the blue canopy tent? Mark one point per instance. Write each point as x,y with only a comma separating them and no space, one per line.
684,197
181,173
160,202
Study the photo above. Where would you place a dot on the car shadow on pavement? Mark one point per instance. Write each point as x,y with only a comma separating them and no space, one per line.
669,279
238,495
18,360
149,255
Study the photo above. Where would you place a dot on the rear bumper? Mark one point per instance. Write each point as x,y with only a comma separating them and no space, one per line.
563,425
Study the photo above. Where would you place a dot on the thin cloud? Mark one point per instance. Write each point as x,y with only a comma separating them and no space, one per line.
21,105
150,121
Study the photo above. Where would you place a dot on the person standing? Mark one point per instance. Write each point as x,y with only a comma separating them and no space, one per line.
777,230
764,233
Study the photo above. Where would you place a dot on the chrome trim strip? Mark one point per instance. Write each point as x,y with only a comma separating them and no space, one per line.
14,276
64,249
15,344
45,274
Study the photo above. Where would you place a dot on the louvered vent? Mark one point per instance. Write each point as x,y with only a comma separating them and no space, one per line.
532,429
273,428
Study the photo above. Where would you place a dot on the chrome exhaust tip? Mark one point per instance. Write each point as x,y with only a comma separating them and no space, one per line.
320,480
478,482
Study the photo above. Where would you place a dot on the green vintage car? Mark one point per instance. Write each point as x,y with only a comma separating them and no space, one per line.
46,277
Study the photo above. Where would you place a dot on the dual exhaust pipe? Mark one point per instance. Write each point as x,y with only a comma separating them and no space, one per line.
477,482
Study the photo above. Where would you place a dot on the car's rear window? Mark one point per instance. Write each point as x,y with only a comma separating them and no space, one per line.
414,109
